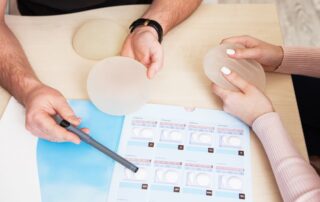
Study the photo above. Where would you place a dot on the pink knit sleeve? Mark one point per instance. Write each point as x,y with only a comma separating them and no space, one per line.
301,61
296,179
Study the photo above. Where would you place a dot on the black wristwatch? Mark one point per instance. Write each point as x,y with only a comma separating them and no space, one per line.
147,22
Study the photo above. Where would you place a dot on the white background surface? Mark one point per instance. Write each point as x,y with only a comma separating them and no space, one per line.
19,181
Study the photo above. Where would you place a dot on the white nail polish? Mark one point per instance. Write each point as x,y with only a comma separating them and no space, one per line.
225,70
230,52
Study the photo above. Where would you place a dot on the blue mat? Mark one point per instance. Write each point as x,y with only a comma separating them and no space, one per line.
79,173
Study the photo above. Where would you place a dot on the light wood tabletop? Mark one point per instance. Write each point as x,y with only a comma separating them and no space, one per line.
48,45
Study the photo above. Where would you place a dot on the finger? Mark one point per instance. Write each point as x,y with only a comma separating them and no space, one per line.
50,128
151,72
235,79
220,92
145,58
247,41
156,63
141,56
244,53
62,108
86,130
127,53
126,50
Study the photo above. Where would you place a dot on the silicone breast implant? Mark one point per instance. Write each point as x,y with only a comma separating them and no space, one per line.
118,85
249,70
98,39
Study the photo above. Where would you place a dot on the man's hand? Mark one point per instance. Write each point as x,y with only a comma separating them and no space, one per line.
41,104
142,44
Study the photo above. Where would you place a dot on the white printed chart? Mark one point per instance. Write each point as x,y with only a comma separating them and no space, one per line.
183,155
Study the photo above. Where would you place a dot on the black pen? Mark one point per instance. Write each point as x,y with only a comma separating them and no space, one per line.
89,140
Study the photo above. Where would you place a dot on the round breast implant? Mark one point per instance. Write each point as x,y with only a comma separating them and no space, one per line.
118,85
99,39
249,70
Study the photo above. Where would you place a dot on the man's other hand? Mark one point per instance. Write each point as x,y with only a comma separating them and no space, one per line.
143,45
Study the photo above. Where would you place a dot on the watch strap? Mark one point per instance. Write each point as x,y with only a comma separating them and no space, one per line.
148,22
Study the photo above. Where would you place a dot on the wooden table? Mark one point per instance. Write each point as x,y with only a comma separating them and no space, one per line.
47,42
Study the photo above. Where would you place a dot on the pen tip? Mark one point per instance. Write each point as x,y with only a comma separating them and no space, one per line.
136,169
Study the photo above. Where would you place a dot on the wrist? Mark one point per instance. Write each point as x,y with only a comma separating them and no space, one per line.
264,122
280,56
30,86
156,16
148,23
262,113
143,29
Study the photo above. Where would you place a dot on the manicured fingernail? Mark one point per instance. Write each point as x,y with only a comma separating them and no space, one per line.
225,70
230,52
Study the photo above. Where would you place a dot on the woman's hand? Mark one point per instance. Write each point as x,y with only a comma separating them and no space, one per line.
268,55
248,104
